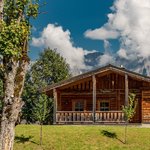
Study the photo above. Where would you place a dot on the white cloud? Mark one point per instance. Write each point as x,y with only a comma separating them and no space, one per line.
102,33
89,52
122,53
130,22
55,37
106,59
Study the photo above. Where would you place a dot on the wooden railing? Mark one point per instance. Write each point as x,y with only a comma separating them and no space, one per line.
109,116
74,116
82,116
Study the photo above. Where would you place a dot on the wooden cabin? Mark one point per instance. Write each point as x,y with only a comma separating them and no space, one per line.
98,96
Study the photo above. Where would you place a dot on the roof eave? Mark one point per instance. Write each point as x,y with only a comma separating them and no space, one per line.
95,72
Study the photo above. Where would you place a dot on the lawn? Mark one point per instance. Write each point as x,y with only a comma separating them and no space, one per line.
81,137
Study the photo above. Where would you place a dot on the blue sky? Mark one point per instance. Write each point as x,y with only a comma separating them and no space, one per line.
77,16
119,29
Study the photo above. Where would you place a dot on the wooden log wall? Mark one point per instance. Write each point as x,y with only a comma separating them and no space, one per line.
110,87
146,106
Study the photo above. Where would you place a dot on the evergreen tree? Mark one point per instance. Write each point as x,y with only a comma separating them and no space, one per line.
48,69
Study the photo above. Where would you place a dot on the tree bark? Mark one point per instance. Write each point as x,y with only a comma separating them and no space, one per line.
13,82
1,9
125,136
41,124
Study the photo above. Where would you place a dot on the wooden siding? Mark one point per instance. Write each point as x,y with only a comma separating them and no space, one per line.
110,87
146,106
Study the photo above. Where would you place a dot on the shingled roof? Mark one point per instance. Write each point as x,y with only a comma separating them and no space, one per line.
95,72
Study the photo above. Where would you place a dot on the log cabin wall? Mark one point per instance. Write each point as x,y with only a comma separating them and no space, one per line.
112,85
146,106
109,87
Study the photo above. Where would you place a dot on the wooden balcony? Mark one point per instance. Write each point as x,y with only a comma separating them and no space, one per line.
87,117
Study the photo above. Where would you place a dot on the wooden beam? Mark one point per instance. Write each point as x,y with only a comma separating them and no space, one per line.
126,90
55,105
94,96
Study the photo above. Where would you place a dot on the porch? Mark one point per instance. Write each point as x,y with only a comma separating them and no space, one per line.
88,117
97,98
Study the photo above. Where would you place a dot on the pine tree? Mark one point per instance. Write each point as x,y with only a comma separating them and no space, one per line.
49,68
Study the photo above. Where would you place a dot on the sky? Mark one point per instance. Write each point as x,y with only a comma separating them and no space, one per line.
119,29
77,16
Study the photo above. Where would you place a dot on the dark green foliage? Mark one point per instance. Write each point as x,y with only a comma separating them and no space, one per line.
30,95
48,69
41,108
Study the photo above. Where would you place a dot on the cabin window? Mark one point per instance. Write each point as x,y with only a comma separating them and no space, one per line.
79,106
104,106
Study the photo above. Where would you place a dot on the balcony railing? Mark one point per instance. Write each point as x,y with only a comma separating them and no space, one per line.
82,116
109,116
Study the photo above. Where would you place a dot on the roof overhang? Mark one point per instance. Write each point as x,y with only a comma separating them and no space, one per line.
119,70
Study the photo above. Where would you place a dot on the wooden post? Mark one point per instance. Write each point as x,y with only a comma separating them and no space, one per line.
55,105
94,96
126,90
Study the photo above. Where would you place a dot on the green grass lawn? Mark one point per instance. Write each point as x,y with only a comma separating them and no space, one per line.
81,137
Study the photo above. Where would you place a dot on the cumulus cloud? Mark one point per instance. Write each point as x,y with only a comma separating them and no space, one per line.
122,53
55,37
129,22
102,33
107,57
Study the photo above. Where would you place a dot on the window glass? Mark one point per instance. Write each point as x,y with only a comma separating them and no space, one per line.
79,106
104,106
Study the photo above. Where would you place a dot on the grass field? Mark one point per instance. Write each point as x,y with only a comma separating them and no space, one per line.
81,138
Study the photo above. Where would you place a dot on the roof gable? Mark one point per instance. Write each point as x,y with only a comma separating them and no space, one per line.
98,71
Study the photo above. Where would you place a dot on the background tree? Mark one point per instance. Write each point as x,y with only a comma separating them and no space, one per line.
30,95
129,111
14,35
48,69
41,111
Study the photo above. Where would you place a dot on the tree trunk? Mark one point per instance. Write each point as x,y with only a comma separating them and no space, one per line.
7,135
125,135
41,133
13,85
1,9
